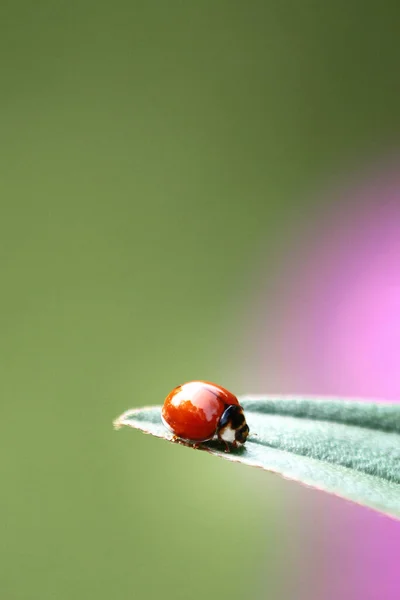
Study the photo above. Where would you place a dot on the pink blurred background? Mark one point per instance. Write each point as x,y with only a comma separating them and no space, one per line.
332,327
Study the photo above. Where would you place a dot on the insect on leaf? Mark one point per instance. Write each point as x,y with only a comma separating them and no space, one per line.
347,448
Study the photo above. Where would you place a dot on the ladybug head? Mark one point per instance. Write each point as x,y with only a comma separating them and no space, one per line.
232,426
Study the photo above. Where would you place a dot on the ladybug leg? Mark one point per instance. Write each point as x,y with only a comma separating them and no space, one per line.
227,449
177,440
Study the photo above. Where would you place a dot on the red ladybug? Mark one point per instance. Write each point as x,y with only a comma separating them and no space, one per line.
198,411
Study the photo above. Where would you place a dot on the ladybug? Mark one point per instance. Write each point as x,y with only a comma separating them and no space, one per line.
199,411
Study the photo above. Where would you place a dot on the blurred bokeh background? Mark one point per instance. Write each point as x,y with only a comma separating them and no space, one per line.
190,190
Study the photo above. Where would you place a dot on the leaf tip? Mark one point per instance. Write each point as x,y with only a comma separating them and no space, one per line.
117,424
121,420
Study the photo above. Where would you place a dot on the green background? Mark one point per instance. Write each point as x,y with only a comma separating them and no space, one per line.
155,160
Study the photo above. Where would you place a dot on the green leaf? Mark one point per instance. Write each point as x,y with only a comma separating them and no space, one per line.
348,448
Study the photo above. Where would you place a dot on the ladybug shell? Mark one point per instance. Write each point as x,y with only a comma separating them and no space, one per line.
192,411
